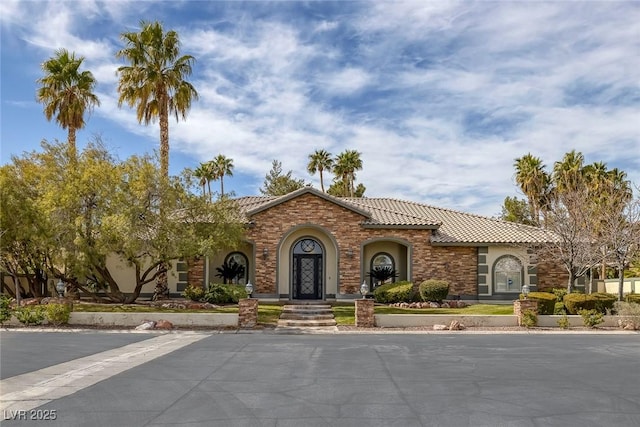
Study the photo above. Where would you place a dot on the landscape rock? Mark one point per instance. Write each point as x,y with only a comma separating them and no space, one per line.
434,305
147,325
439,327
30,301
164,324
445,305
456,326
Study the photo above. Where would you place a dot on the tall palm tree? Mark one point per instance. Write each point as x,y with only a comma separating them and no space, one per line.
320,161
568,173
155,82
346,164
67,93
222,166
533,181
201,173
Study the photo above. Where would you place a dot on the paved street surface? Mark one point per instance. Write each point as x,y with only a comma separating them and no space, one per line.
262,379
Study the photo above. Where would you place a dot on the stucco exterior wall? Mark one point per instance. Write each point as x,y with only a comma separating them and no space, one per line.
125,275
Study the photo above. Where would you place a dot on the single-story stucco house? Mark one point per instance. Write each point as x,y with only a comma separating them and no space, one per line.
307,245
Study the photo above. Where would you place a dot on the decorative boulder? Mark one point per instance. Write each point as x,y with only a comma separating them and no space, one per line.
147,325
434,305
164,324
439,327
456,326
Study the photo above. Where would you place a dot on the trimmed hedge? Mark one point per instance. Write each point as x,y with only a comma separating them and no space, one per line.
599,301
546,301
633,298
433,290
391,293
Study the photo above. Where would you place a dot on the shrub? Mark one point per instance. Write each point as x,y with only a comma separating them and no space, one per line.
633,298
628,314
546,301
194,293
391,293
563,322
559,308
529,318
559,293
58,314
597,301
591,318
30,315
5,308
224,294
603,302
434,290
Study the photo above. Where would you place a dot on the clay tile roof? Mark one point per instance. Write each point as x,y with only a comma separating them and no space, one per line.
450,227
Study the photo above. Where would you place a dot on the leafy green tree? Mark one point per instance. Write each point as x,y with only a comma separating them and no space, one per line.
278,184
67,93
320,161
337,189
517,210
75,220
155,81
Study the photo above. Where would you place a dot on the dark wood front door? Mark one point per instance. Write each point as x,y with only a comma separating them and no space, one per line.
307,276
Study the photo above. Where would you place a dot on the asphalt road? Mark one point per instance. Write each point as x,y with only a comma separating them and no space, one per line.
263,379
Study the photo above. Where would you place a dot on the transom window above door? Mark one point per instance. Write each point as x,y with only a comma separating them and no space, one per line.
307,246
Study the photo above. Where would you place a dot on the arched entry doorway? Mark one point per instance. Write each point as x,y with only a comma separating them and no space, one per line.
307,264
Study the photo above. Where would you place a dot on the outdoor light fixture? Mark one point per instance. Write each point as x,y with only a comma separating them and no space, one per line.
364,289
60,288
525,290
265,253
249,288
349,253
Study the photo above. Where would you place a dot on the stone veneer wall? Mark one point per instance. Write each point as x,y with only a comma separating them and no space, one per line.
551,276
458,265
195,275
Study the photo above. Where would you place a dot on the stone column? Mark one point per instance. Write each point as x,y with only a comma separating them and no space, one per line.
519,306
364,313
247,313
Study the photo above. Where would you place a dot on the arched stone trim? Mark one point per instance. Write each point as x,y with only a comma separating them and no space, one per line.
331,257
505,283
406,263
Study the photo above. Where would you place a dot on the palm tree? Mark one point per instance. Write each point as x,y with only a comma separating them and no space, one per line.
568,174
155,81
222,166
67,93
201,173
346,164
320,161
533,181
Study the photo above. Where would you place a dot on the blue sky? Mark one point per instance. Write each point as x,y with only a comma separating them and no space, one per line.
439,97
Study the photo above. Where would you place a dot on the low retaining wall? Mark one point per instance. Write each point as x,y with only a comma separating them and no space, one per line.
484,321
135,319
409,320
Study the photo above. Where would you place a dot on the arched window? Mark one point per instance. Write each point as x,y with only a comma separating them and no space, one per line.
382,269
508,274
240,259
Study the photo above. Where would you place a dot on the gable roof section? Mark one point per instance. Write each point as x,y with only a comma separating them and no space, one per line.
254,205
449,227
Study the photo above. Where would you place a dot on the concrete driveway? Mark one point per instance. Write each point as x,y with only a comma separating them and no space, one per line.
261,379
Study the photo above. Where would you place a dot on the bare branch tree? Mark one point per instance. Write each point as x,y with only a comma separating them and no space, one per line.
620,231
570,218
